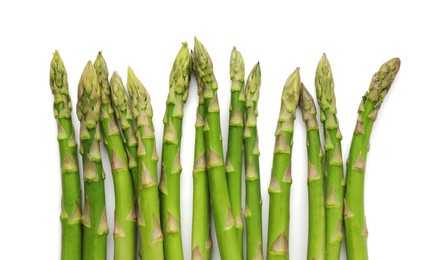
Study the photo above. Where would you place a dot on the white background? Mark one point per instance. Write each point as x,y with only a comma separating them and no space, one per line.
357,39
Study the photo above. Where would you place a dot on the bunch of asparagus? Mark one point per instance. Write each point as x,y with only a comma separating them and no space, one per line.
123,120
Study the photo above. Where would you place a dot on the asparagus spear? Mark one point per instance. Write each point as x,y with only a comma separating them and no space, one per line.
316,197
225,224
170,188
123,114
71,193
334,163
148,201
235,144
201,240
281,180
253,208
94,217
124,215
354,218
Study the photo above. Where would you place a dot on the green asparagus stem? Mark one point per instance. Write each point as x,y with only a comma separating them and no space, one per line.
71,192
201,240
170,188
281,180
334,162
354,216
123,114
235,144
253,208
94,217
225,224
124,215
316,196
148,202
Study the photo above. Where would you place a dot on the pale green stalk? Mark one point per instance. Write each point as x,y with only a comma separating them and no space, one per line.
148,201
235,143
201,240
94,219
224,220
316,195
253,205
123,115
170,189
281,179
354,215
70,215
334,162
124,216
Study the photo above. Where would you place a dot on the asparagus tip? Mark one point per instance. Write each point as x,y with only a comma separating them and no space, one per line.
324,82
291,91
237,66
306,101
88,78
183,58
56,61
324,62
201,52
58,76
116,83
88,93
115,74
180,75
56,54
131,73
253,84
101,66
382,81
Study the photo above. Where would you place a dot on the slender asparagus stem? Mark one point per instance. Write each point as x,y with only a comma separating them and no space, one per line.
148,202
253,208
235,144
201,240
225,224
94,217
334,162
123,114
170,188
71,192
354,216
316,196
125,217
281,180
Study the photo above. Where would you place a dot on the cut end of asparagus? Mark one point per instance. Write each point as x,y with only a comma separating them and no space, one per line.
237,69
382,81
140,98
180,76
252,88
89,96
